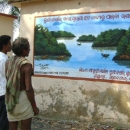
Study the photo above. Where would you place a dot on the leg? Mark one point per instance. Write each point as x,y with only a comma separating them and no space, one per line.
26,124
13,125
4,124
19,125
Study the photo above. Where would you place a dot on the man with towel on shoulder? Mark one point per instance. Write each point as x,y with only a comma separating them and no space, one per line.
5,46
19,98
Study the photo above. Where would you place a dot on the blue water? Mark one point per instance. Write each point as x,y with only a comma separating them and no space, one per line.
84,56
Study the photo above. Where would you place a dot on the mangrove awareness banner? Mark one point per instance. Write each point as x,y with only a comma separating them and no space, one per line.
88,46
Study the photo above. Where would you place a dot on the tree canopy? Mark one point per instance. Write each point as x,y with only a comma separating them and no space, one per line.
123,47
86,38
109,38
46,43
59,34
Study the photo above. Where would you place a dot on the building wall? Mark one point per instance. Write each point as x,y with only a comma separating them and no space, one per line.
6,26
76,99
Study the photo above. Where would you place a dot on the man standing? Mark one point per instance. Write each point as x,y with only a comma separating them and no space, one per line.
19,97
5,46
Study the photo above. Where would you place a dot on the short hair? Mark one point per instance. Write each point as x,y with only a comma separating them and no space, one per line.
4,40
19,44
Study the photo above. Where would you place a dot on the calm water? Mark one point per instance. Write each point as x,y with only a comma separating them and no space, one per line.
87,57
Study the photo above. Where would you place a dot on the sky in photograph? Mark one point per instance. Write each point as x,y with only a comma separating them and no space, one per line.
110,20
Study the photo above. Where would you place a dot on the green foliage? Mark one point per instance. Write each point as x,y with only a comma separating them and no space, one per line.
46,44
86,38
117,128
109,38
124,44
59,34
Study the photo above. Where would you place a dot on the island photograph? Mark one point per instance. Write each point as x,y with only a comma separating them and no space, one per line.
88,46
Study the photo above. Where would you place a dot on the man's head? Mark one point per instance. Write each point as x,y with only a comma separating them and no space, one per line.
5,43
21,47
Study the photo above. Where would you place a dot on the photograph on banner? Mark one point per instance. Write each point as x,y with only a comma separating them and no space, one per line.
88,46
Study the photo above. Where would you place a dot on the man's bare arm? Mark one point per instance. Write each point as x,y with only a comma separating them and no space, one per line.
29,88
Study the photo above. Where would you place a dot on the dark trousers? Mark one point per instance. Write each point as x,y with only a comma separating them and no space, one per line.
4,124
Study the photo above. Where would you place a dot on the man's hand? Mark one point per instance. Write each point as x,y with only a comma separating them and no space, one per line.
36,111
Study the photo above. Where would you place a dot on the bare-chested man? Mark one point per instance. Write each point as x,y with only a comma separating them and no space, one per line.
20,101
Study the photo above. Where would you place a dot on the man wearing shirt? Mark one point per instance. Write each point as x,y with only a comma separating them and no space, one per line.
5,46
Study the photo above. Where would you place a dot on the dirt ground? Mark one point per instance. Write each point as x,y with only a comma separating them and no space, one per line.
45,124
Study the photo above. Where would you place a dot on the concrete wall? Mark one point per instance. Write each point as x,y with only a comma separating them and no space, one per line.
6,26
76,99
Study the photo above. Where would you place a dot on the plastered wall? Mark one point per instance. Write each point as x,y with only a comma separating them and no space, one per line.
6,26
76,99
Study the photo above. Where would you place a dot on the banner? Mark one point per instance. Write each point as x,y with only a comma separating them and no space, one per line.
87,46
